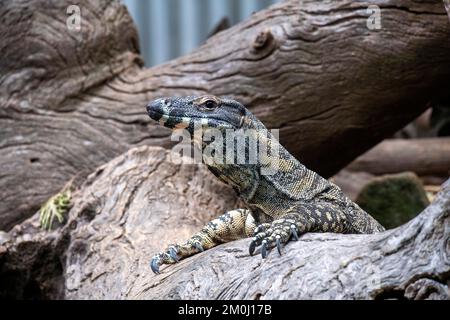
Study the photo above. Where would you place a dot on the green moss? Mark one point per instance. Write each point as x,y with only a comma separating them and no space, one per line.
57,206
393,199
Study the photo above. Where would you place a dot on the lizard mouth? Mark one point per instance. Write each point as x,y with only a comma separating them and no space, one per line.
164,119
154,112
171,118
172,121
155,115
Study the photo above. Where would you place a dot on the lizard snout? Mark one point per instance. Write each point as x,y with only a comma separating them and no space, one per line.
156,108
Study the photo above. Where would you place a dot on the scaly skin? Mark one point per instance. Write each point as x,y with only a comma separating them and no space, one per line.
280,206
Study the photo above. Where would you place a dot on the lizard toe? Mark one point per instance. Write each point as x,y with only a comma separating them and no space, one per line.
262,228
274,240
278,244
163,258
173,253
274,235
198,246
264,249
252,247
154,264
293,232
258,238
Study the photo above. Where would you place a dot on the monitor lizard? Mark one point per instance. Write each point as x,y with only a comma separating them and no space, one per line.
290,201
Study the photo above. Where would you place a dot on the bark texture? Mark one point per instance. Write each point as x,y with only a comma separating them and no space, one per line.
140,202
447,7
427,156
73,100
125,212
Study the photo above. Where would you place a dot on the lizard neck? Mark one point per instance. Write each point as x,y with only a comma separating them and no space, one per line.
265,184
241,166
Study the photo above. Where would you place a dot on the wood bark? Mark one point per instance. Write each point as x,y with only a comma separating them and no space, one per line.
447,7
427,156
72,100
141,201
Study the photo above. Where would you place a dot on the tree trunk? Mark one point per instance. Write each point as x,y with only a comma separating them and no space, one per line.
72,100
427,156
141,201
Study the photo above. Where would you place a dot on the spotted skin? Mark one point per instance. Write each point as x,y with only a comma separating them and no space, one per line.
281,206
233,225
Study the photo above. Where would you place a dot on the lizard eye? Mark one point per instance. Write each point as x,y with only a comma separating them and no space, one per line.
210,105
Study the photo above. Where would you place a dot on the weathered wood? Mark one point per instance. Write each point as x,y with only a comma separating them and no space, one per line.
410,262
139,202
70,101
447,7
133,206
427,156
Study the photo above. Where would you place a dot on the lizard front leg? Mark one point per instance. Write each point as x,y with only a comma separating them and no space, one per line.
233,225
303,218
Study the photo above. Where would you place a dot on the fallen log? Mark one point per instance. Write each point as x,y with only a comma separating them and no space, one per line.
132,206
447,7
140,202
427,156
74,99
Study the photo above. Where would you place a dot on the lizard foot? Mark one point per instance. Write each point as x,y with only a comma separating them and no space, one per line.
269,235
174,253
167,257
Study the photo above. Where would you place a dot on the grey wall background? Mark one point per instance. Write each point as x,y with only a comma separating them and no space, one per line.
170,28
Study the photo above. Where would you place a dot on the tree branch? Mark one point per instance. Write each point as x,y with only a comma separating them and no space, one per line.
425,156
140,202
71,101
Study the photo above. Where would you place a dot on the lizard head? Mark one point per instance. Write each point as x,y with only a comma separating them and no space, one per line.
190,112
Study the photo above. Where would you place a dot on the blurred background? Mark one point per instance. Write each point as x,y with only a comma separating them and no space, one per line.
171,28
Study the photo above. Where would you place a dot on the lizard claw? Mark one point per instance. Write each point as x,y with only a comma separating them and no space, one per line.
278,244
294,233
198,246
264,249
261,228
174,253
276,234
252,247
154,264
165,257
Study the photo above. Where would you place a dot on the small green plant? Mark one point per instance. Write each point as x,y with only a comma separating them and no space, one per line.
57,206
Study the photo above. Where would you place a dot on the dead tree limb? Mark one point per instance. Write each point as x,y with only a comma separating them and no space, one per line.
447,7
72,100
139,202
427,156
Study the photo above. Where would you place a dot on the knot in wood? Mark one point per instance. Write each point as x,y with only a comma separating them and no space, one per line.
73,225
263,40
